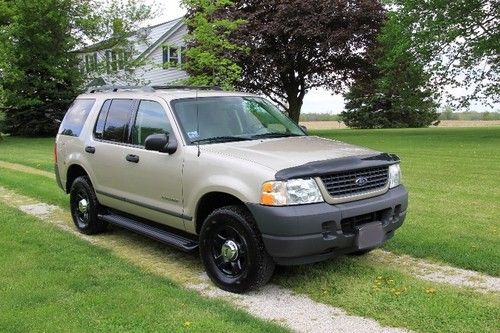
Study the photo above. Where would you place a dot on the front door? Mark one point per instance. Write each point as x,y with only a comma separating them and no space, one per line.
152,180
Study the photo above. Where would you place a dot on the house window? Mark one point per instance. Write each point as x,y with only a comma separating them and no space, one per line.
91,62
172,56
116,60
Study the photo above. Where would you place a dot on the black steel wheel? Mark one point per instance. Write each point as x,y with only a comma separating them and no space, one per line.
232,251
84,207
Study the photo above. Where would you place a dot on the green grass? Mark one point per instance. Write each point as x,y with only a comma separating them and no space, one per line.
452,176
343,282
392,297
38,187
33,152
451,173
52,281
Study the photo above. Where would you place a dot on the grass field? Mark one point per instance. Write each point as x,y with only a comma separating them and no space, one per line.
454,207
453,177
84,288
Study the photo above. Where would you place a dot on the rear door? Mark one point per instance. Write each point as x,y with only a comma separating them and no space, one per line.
106,151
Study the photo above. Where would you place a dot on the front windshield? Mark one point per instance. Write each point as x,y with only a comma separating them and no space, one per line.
232,118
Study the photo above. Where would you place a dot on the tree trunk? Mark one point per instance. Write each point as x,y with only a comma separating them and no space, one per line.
294,107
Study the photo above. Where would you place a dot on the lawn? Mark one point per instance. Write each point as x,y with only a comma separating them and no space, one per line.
51,281
453,177
365,288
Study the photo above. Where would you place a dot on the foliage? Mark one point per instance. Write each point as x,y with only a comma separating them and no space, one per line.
40,73
393,91
459,41
208,46
448,114
286,48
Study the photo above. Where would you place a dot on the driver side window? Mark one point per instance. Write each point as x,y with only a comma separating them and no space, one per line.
150,119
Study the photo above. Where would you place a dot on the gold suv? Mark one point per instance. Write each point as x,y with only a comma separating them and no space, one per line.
226,174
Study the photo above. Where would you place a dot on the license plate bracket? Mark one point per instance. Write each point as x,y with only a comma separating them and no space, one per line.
369,235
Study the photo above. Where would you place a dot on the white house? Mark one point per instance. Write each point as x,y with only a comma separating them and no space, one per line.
159,50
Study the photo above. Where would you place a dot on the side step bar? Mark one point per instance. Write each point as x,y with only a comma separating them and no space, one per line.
169,238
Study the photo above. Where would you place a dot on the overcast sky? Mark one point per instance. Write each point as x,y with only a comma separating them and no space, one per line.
318,101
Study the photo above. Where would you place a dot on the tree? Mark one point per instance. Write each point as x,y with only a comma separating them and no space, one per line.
286,48
40,75
394,91
460,43
208,45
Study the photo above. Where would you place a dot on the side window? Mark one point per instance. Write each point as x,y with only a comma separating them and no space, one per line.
99,125
117,122
76,116
151,119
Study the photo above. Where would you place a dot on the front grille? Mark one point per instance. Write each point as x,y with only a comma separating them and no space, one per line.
344,184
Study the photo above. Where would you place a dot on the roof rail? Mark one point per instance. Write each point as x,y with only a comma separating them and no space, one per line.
108,88
187,87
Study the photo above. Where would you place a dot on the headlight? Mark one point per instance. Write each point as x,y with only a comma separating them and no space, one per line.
291,192
394,175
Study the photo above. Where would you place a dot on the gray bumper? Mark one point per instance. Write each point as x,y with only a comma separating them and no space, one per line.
315,232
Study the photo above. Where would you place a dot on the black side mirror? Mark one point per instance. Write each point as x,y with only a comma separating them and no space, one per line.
304,129
161,142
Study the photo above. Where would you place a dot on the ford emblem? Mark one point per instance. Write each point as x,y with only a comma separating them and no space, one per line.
360,181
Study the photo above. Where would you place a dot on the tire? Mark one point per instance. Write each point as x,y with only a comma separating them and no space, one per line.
87,222
222,230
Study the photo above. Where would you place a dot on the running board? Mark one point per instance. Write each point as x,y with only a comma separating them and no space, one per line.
166,237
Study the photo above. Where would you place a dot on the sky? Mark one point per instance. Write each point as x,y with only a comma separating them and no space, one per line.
316,101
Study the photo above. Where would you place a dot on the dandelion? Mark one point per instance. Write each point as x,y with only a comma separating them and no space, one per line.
187,324
430,290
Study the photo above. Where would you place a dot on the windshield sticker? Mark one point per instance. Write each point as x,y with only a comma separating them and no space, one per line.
193,135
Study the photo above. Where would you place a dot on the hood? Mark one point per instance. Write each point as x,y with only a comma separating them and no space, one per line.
282,153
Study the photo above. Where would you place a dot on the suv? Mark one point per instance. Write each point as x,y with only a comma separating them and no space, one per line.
226,173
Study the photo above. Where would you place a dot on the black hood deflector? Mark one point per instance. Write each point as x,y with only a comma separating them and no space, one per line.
326,167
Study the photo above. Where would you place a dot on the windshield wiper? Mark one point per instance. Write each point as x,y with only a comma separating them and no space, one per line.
274,135
221,139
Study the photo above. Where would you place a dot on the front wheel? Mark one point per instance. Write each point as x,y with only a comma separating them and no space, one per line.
232,250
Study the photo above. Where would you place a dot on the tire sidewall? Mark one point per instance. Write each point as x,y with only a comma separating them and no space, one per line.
247,278
93,225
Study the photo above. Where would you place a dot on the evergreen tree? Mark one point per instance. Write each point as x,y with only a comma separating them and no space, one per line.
394,91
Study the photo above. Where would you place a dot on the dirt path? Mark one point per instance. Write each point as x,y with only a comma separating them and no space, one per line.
296,312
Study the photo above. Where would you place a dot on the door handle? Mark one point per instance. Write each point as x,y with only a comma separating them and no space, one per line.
90,149
132,158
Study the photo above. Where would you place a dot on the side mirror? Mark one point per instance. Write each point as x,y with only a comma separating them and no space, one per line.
161,142
304,129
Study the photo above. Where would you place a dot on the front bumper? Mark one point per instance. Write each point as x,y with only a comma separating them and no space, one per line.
308,233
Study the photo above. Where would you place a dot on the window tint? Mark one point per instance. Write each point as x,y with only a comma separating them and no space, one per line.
76,116
116,126
151,119
99,126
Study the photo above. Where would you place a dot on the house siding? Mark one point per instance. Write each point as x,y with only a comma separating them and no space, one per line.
152,73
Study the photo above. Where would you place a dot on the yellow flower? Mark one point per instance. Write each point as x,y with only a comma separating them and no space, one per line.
430,291
187,324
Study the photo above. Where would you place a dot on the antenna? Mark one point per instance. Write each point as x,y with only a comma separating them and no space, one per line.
197,121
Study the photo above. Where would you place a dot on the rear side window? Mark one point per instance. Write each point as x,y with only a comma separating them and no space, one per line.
76,116
150,119
116,126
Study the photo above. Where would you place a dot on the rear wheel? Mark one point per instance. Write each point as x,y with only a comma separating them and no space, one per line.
233,252
84,207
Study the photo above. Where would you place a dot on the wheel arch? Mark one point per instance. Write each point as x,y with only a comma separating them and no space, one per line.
74,171
211,201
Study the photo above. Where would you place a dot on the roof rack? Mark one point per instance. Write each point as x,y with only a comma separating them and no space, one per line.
110,88
173,87
92,90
